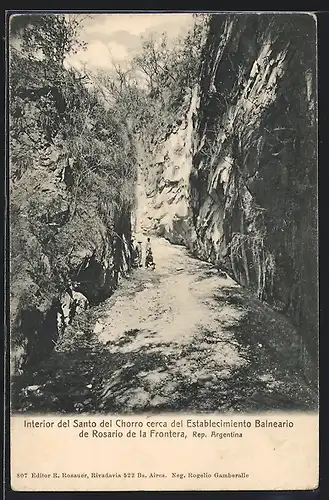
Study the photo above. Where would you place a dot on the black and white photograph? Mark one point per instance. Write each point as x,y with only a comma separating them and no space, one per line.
163,222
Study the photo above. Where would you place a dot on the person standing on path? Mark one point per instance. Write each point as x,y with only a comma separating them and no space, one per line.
148,245
149,262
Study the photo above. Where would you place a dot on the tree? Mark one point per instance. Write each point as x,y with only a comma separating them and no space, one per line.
47,37
171,70
72,161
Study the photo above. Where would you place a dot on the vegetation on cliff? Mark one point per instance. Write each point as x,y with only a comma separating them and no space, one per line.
257,152
72,179
154,88
250,157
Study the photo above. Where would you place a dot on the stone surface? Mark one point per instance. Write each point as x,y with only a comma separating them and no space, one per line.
236,183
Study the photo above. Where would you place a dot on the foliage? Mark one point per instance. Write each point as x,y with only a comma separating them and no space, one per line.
171,70
72,160
153,89
48,38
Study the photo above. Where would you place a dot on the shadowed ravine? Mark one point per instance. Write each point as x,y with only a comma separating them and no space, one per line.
180,338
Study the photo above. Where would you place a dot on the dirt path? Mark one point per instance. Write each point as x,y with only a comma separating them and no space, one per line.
179,338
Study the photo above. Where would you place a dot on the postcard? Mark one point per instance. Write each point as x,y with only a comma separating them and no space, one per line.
163,243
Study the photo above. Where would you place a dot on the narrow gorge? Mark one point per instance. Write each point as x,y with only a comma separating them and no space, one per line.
218,166
236,182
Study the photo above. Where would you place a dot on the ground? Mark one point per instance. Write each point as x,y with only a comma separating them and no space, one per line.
177,338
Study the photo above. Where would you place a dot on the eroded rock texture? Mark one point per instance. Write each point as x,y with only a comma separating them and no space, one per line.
236,182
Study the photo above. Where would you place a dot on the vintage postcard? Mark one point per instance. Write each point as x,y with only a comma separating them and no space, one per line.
163,251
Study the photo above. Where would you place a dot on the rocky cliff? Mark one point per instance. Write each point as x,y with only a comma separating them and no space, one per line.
70,211
236,181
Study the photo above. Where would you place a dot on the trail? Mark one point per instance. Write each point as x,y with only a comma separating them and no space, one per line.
184,338
179,338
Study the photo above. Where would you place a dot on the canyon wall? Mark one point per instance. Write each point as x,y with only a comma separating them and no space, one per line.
70,214
236,181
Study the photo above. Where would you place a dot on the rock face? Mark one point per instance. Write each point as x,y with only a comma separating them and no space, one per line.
64,254
166,180
237,181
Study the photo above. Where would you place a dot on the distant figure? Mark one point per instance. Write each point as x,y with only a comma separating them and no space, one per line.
139,253
149,262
